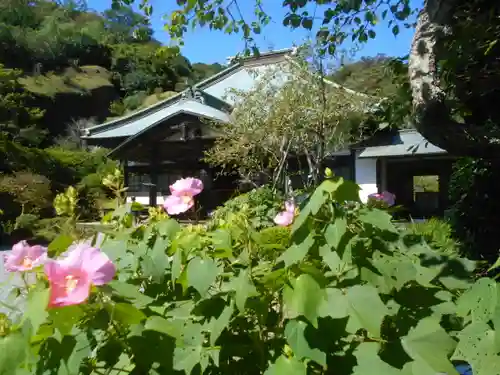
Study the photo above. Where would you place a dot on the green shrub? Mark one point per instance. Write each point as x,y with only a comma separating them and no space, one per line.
475,206
27,221
437,233
347,297
273,241
259,206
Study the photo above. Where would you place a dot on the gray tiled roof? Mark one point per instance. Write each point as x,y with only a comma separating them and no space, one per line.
135,126
404,143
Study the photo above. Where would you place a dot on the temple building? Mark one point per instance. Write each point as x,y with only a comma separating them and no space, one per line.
167,140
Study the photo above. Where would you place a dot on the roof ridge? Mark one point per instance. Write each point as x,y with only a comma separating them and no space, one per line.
157,106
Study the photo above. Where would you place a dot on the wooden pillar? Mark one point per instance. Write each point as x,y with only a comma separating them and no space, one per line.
153,176
125,172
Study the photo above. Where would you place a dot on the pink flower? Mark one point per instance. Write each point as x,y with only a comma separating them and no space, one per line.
24,257
286,217
385,196
71,277
182,198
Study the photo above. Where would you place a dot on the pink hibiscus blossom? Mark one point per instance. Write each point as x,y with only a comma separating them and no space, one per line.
183,193
385,196
71,277
24,257
286,217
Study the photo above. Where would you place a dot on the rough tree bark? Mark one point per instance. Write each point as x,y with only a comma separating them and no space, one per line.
432,115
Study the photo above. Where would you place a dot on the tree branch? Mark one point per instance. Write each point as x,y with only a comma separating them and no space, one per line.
433,116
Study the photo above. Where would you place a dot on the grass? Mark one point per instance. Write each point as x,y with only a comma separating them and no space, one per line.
81,81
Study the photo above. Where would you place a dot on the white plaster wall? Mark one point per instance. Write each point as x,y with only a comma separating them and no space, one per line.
366,177
144,199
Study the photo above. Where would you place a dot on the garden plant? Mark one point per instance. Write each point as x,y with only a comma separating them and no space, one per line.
345,293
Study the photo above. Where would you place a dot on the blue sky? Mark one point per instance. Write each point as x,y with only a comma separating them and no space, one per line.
203,45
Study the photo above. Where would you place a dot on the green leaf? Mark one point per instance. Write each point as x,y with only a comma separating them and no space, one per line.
243,289
395,30
335,231
114,249
305,299
369,362
297,252
168,228
65,318
59,245
332,259
429,343
288,366
13,351
478,347
222,242
366,309
378,219
495,266
36,309
479,301
123,366
130,292
185,359
156,264
79,347
335,305
217,325
126,313
172,327
201,274
295,336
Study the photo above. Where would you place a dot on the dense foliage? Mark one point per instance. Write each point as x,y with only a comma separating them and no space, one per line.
349,295
474,206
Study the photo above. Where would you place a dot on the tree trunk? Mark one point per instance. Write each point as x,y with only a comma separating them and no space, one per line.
433,117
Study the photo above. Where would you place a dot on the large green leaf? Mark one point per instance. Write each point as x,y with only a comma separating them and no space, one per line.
335,305
288,366
217,325
126,313
185,359
36,309
189,349
168,228
243,289
156,263
366,309
335,231
59,245
201,274
332,260
79,347
222,242
295,336
130,292
297,252
377,218
480,301
13,351
478,346
429,343
65,318
369,362
171,327
305,299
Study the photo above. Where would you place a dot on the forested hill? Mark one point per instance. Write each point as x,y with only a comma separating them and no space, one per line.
71,63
